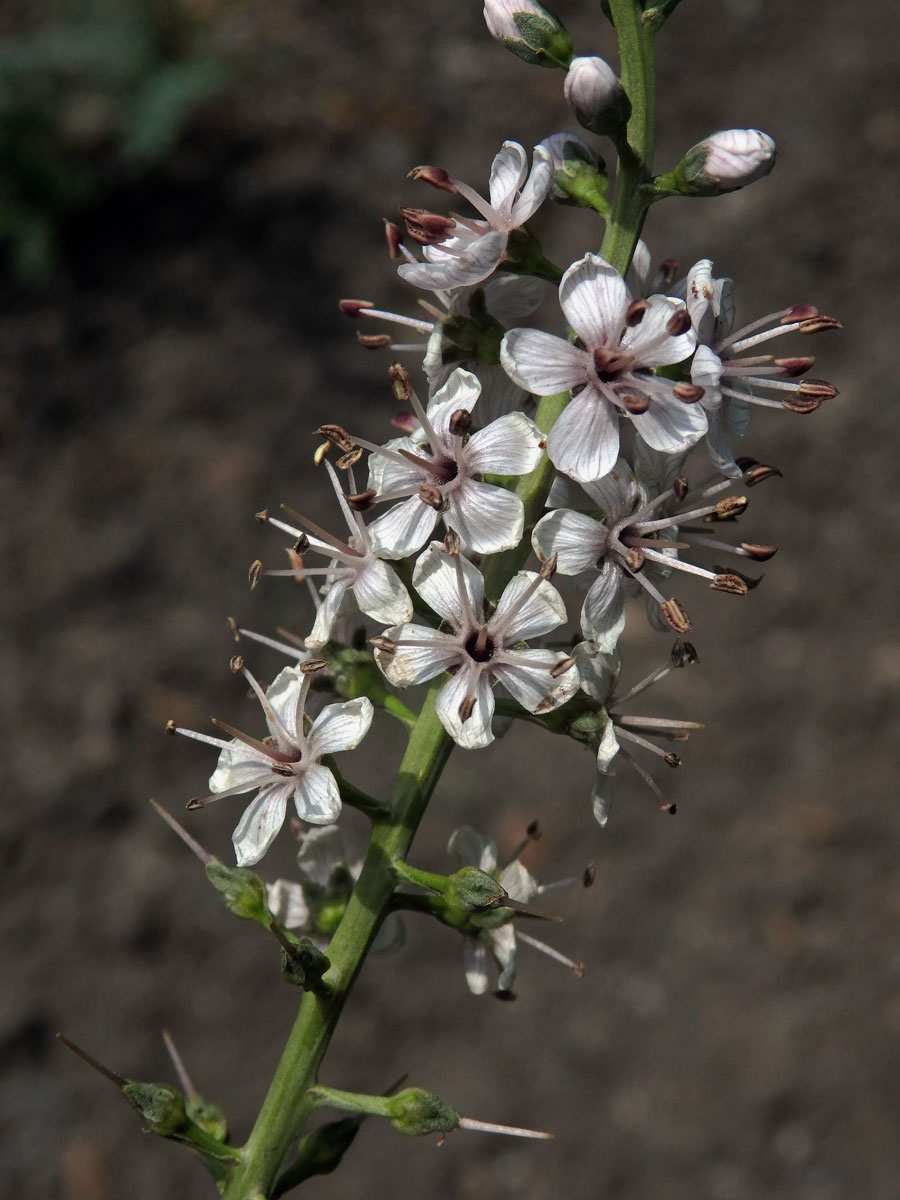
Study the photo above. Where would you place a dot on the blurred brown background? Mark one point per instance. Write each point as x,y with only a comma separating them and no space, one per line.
168,338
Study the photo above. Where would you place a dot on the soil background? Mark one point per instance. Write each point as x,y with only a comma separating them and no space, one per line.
737,1032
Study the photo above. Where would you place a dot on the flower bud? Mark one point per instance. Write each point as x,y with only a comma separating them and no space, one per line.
724,162
594,92
530,31
416,1112
579,173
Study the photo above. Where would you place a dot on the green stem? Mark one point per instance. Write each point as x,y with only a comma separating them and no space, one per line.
287,1103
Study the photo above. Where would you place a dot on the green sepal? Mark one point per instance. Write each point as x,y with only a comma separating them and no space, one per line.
208,1116
243,893
545,42
416,1112
582,181
303,964
319,1153
525,256
166,1113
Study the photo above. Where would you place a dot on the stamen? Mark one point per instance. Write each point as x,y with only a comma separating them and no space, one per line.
276,728
509,1130
577,967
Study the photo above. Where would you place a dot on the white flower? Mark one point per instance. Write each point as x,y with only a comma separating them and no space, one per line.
472,848
731,382
287,764
480,650
354,566
315,904
599,676
434,474
477,246
633,535
608,370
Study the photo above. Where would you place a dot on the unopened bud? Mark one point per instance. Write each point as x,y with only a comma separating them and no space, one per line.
242,892
415,1112
596,95
531,31
579,173
724,162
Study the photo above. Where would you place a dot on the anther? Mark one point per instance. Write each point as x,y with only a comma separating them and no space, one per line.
548,567
460,422
680,487
236,664
321,452
755,472
301,546
362,501
384,644
433,497
312,665
634,559
684,654
426,227
338,436
819,324
436,176
675,617
730,508
255,573
278,768
679,322
634,313
350,459
560,668
668,269
688,393
466,708
262,516
352,308
731,583
636,403
394,237
374,341
171,728
757,552
534,831
671,759
590,874
451,542
670,807
609,363
794,367
401,382
799,312
233,629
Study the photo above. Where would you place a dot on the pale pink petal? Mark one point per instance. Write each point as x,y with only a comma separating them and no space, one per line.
536,188
287,903
436,579
533,686
651,343
503,948
480,259
475,956
260,823
603,612
326,614
486,517
593,296
340,727
576,538
584,440
671,425
542,363
320,852
616,494
511,445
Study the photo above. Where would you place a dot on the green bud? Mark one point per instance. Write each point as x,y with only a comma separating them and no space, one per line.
304,964
415,1112
474,890
210,1118
322,1150
243,893
161,1106
579,173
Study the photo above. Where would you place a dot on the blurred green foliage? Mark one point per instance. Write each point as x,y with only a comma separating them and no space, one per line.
92,92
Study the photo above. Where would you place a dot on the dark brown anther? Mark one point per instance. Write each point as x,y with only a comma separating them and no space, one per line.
688,393
730,508
427,228
560,668
451,542
350,459
352,308
384,644
548,567
636,402
194,803
672,760
798,403
731,583
171,727
301,546
394,237
799,312
255,573
433,497
675,617
280,768
362,501
684,654
590,874
436,176
262,516
755,472
680,487
337,436
466,708
669,807
819,324
236,664
374,341
634,559
534,831
668,269
233,629
609,363
679,322
793,368
400,381
634,313
747,580
312,665
460,422
758,552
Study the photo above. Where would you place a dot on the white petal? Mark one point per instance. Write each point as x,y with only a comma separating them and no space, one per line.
499,394
409,665
638,276
608,749
473,848
283,693
584,440
340,727
503,948
316,796
480,259
287,903
388,474
736,414
476,731
403,529
598,670
436,579
461,390
381,595
326,614
475,957
671,425
260,823
544,609
719,451
511,445
541,362
320,852
240,766
616,494
536,188
651,343
508,298
576,538
603,612
508,172
593,296
533,686
518,882
486,517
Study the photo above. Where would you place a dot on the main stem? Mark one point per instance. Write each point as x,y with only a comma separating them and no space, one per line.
286,1105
